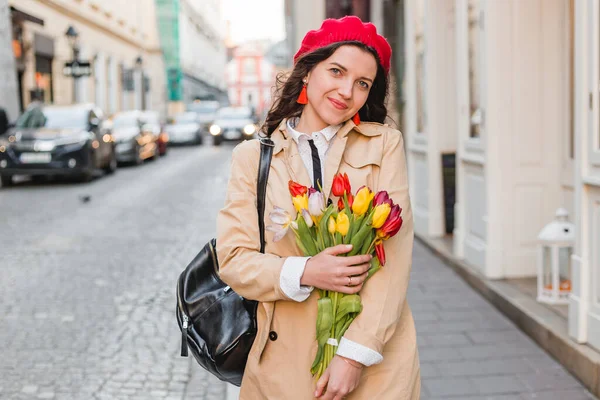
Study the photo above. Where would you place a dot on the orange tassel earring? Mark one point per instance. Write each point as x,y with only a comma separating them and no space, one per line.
356,119
303,97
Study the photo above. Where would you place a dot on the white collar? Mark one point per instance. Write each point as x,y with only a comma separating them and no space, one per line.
329,132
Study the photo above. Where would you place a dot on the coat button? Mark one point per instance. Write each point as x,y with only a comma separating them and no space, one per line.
273,335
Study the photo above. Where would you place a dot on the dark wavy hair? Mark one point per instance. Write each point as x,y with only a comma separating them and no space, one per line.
289,85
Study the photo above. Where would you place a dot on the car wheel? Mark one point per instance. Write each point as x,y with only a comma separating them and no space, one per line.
217,140
138,157
88,174
7,180
156,153
199,139
111,167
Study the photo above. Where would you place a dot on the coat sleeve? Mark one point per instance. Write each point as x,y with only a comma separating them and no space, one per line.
242,266
383,295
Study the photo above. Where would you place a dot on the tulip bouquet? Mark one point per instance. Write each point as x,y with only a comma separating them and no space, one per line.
363,219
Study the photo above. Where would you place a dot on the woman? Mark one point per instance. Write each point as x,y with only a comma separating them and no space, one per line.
340,77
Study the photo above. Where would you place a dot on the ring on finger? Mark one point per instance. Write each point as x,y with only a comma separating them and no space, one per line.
349,281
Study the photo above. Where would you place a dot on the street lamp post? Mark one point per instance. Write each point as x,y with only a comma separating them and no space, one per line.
73,36
139,62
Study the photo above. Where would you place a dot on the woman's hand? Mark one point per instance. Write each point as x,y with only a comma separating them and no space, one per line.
340,379
340,274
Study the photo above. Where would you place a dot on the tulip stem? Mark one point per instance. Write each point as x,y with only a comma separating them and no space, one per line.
371,246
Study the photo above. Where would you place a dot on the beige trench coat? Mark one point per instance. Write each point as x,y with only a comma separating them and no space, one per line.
371,154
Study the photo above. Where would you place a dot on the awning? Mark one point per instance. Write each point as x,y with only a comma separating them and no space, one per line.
21,15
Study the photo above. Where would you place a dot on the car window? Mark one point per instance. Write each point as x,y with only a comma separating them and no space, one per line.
234,113
186,118
125,121
53,118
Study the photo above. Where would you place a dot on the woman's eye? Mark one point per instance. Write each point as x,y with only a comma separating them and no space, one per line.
335,71
363,84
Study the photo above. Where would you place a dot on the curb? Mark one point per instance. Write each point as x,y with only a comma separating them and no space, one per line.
545,327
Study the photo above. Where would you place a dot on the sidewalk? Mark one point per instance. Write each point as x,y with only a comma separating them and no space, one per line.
468,349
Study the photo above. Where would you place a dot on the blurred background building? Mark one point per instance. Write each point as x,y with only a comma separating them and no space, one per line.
139,54
250,77
114,43
8,86
192,36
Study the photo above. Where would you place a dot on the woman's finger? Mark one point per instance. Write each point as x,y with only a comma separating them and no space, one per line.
357,260
337,250
322,383
357,270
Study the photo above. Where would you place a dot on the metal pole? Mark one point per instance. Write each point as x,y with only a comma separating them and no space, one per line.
75,76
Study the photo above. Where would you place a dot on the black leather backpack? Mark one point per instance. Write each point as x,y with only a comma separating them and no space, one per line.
217,324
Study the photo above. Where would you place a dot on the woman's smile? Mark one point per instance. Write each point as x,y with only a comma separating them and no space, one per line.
338,104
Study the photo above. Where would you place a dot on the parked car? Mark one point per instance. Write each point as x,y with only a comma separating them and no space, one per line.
206,111
233,123
134,143
185,128
57,140
151,123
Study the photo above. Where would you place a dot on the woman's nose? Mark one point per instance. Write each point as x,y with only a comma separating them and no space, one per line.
345,90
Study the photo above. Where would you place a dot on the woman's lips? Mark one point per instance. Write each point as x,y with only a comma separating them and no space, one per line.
337,104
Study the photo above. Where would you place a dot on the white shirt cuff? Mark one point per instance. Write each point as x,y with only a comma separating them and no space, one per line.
358,352
289,279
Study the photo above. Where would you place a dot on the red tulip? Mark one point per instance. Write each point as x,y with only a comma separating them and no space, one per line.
380,252
297,189
392,225
341,202
381,198
340,185
347,184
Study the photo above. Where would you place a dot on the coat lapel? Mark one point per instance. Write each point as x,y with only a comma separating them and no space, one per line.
291,157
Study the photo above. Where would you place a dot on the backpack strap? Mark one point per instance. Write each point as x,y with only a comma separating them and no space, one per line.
266,153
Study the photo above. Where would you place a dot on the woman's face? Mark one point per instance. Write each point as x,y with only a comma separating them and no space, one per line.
339,86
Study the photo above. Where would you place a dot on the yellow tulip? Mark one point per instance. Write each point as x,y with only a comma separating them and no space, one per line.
342,224
362,200
331,225
300,202
380,215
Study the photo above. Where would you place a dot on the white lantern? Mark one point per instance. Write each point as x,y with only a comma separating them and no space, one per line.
556,243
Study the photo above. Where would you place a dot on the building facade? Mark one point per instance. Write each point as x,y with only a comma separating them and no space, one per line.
8,87
250,77
192,37
118,39
502,128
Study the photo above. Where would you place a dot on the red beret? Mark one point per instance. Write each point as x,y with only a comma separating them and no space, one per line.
349,28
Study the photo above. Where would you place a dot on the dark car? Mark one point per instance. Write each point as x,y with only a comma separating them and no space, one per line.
134,142
151,122
233,123
185,128
57,140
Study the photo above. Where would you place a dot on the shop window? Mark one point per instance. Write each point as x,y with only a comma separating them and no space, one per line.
43,78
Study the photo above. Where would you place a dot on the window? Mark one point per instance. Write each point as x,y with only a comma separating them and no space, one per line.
475,111
249,66
420,65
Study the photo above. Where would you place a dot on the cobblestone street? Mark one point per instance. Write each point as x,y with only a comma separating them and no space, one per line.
88,296
88,288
